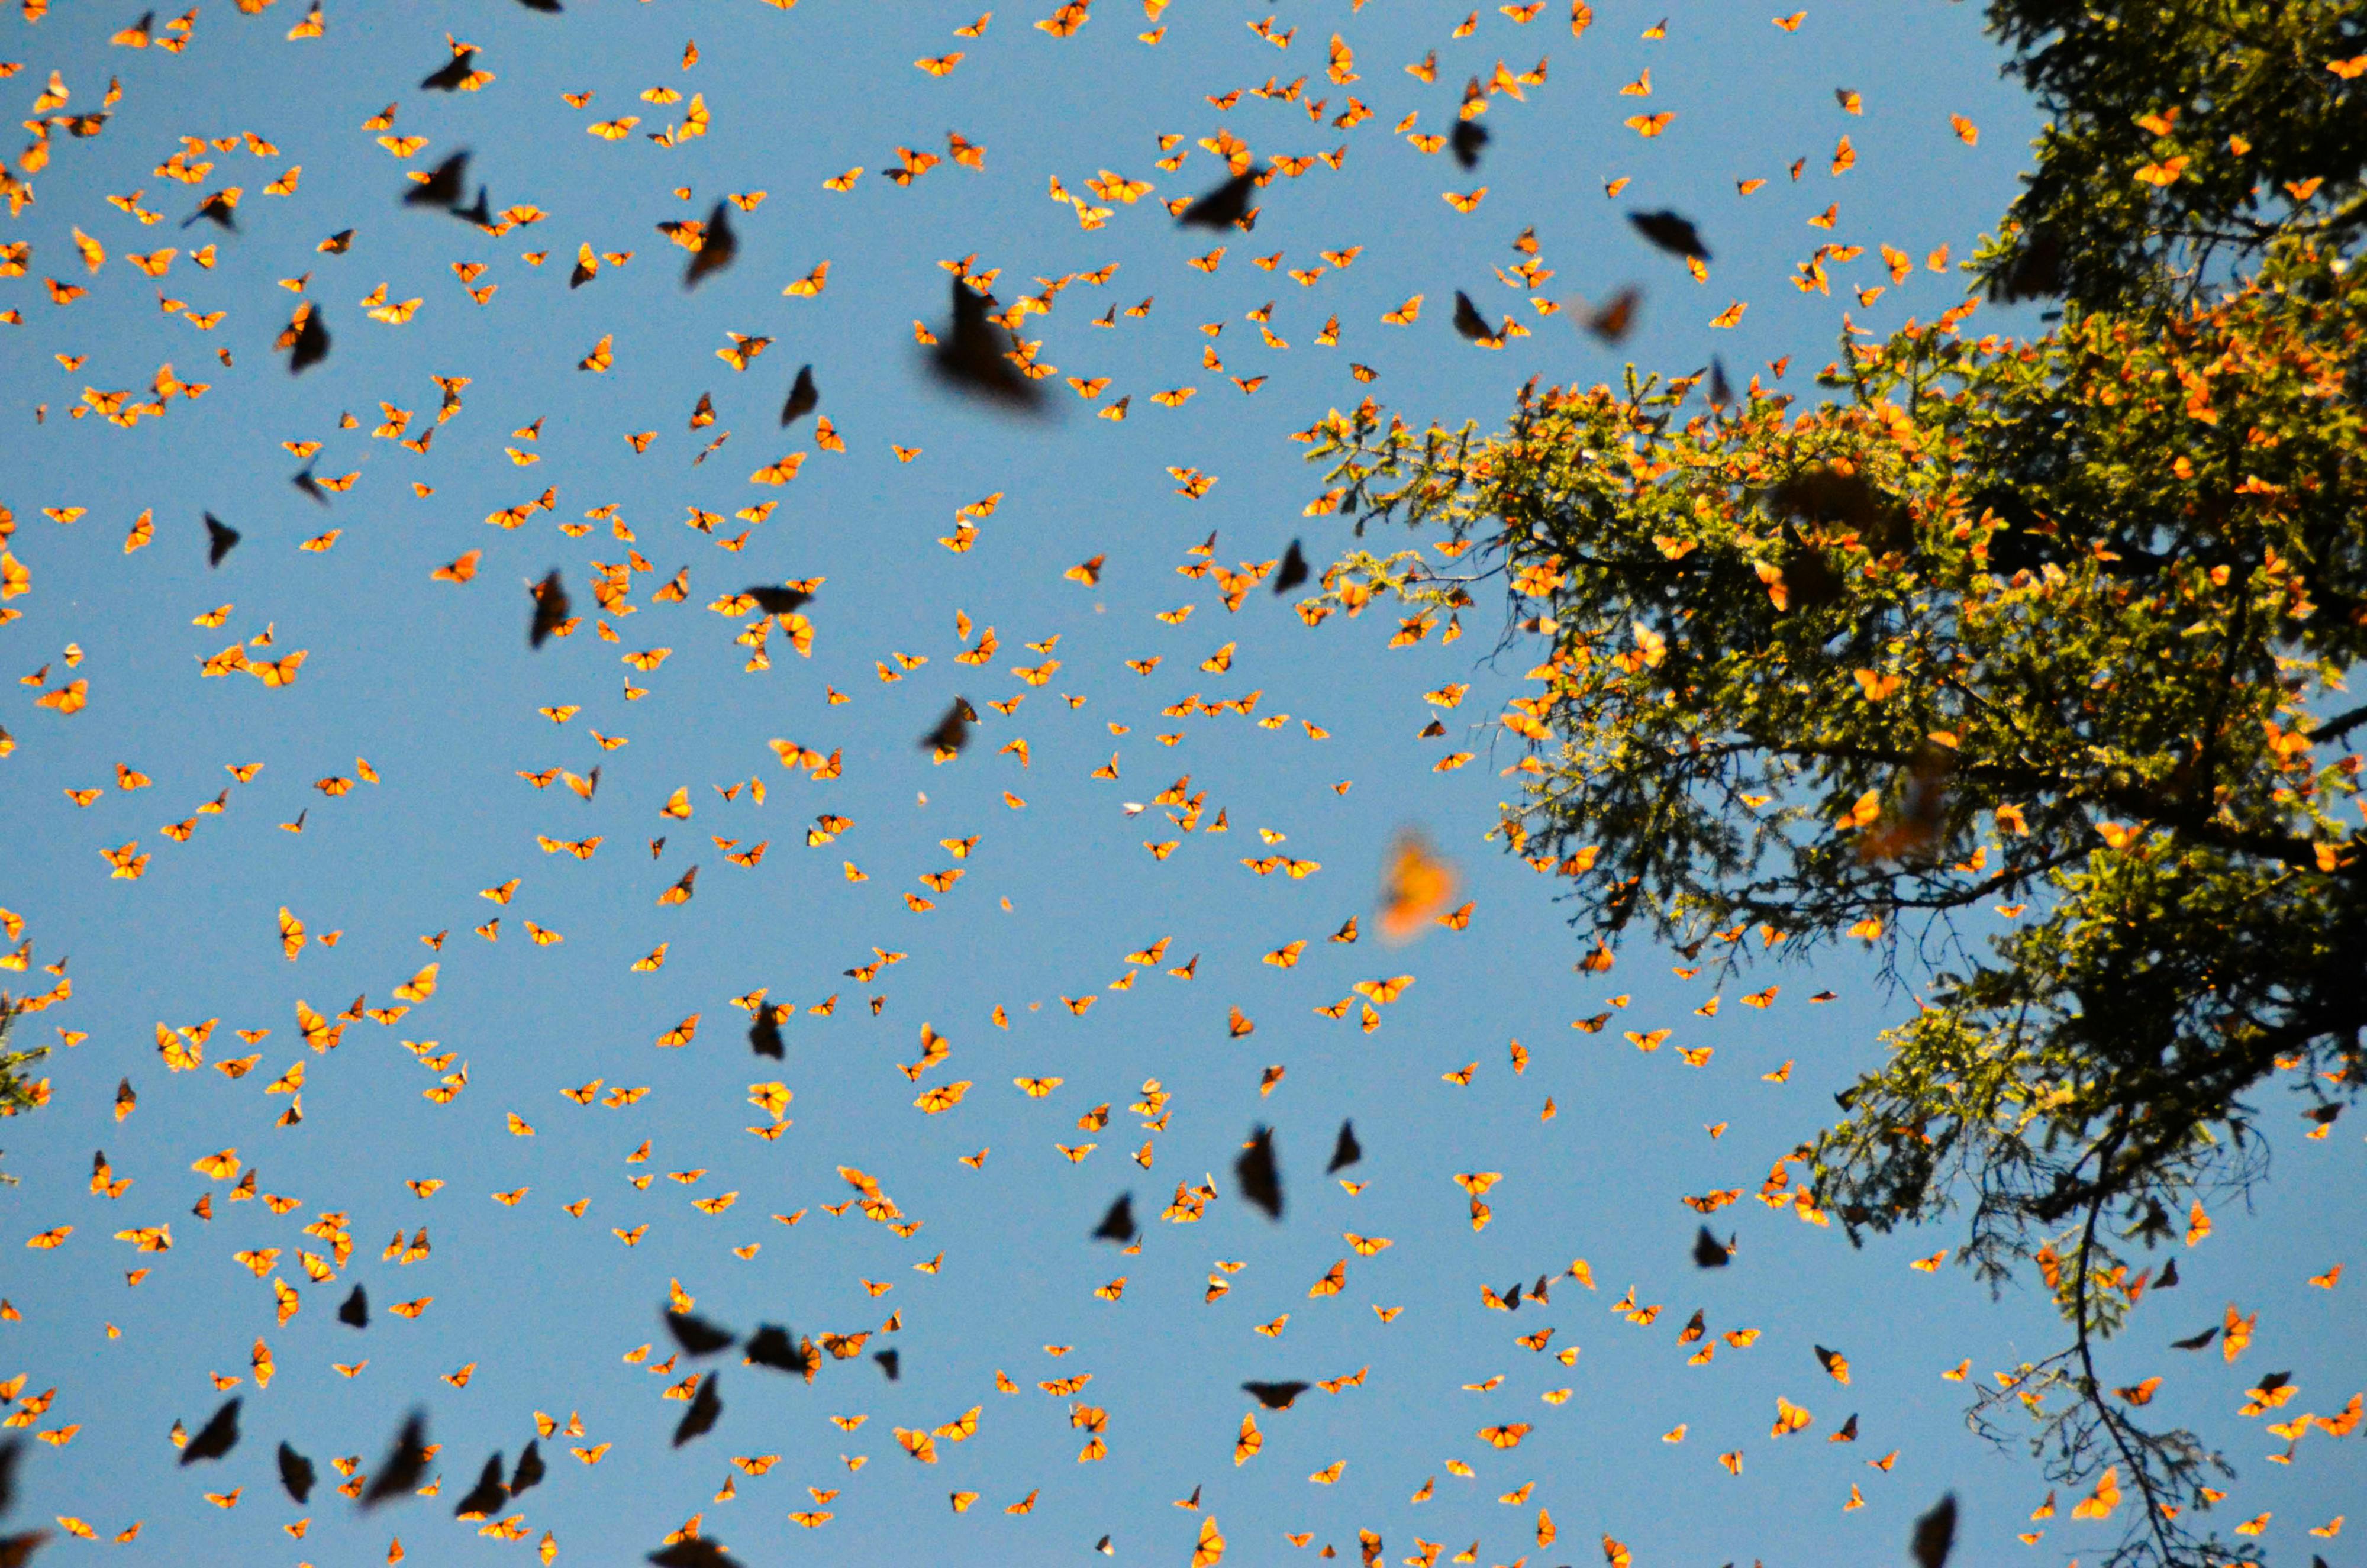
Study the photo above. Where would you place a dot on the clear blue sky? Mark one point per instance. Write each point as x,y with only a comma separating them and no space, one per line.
433,684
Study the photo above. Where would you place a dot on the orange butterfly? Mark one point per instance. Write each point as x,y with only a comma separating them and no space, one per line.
2100,1502
942,1098
1415,886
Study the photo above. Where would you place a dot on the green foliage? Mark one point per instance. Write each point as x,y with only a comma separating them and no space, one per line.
18,1092
2040,626
2232,103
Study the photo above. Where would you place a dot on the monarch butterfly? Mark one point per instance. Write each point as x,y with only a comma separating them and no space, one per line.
742,350
396,315
462,570
942,1098
1649,125
1209,1549
1415,885
2100,1502
220,1167
1507,1436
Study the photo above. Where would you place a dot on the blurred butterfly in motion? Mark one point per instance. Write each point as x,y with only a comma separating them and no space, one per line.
1469,137
1471,323
1671,232
777,601
530,1471
1293,572
1935,1534
221,539
717,247
217,1436
309,343
454,74
488,1494
706,1409
1347,1151
1414,887
772,1345
697,1336
550,608
221,207
952,732
1118,1224
1222,207
405,1465
971,355
1614,319
296,1474
443,185
1260,1177
804,398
